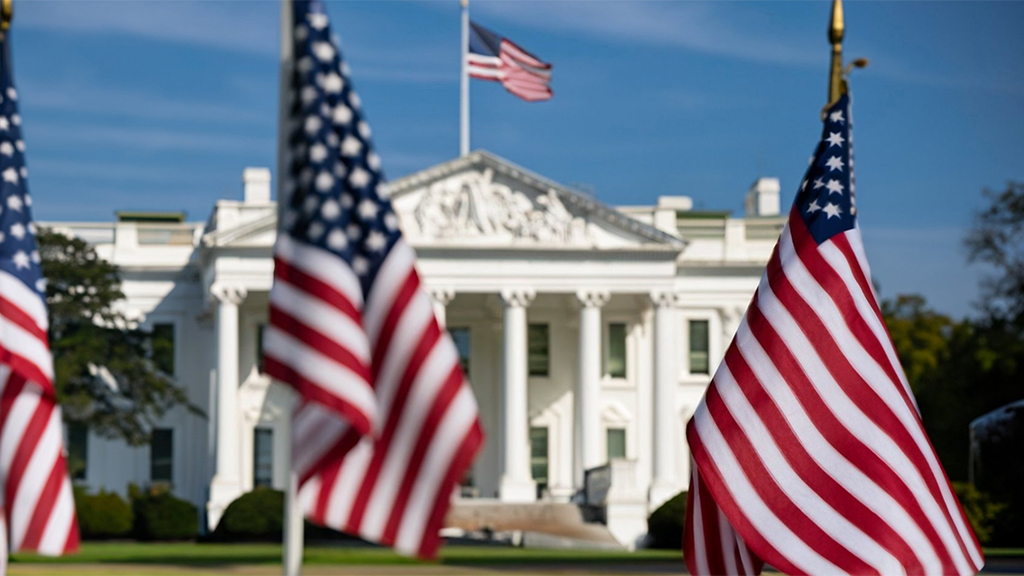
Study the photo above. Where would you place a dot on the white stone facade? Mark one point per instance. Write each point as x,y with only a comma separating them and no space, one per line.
503,253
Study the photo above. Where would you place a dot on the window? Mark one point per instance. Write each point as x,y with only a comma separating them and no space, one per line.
539,457
461,338
699,359
615,362
262,457
78,450
537,344
161,455
616,442
162,342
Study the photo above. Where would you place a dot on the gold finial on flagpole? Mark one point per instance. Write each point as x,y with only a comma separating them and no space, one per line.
836,81
6,14
838,74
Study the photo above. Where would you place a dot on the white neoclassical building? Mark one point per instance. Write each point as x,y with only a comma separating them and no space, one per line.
588,331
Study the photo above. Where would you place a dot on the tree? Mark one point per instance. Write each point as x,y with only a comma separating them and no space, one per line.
997,239
106,377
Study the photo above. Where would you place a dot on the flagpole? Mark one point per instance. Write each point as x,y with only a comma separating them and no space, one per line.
464,83
291,546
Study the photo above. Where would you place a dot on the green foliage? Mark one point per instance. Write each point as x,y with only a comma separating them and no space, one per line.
997,239
88,335
257,515
161,516
665,525
102,515
982,512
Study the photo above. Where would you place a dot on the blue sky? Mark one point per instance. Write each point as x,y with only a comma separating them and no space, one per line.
160,104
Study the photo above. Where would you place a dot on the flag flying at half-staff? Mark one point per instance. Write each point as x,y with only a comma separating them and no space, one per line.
491,57
35,491
809,453
387,423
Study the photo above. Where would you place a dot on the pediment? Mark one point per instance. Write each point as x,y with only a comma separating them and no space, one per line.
481,200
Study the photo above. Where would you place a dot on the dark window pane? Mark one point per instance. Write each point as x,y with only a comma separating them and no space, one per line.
161,455
537,342
78,450
163,347
263,457
539,455
616,443
461,338
699,359
616,367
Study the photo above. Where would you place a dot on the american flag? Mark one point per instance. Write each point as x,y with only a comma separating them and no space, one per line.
809,452
388,424
38,508
491,57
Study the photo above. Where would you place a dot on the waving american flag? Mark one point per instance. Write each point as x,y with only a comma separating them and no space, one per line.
491,57
35,491
388,423
809,452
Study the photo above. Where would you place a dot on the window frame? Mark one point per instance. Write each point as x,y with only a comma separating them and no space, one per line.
530,327
153,462
690,350
268,433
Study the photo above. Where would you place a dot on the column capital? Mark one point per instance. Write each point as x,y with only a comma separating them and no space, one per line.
441,296
592,298
665,298
228,293
518,297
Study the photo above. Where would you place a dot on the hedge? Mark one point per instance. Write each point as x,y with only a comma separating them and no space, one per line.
102,515
256,515
161,516
665,525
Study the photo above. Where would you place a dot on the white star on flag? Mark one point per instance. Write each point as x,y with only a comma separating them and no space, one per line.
834,163
832,210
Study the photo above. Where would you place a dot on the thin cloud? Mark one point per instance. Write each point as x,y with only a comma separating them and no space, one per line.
127,103
245,27
150,139
696,26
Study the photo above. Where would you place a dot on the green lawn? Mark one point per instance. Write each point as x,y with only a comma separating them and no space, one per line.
191,554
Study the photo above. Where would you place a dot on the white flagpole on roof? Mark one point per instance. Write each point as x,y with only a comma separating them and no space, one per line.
464,84
291,549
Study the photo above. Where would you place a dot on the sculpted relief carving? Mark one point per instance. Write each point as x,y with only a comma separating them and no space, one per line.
473,205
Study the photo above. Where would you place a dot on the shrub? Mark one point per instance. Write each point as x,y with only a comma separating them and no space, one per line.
981,511
102,515
665,525
161,516
256,515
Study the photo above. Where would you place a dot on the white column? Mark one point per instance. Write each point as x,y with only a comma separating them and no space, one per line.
226,483
664,484
588,384
440,298
516,485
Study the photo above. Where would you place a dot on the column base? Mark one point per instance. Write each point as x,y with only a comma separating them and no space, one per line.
517,491
662,491
222,493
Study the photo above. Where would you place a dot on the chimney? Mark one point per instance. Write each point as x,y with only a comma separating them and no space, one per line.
763,198
256,185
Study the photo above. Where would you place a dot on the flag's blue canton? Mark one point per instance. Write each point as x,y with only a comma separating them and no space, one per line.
18,252
482,41
826,200
339,201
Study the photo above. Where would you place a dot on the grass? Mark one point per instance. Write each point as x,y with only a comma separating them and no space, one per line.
192,554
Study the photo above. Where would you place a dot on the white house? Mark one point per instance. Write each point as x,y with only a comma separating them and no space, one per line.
610,319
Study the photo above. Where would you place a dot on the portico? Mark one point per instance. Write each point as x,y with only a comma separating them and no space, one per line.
588,332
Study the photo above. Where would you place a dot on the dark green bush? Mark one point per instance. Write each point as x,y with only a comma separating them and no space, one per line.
981,511
103,515
665,525
256,515
161,516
